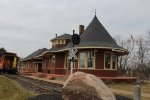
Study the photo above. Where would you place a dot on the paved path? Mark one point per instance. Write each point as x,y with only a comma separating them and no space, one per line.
129,92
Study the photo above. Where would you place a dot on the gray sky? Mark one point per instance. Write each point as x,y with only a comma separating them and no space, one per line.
28,25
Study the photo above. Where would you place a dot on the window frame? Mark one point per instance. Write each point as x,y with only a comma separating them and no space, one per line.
66,64
53,58
86,60
116,61
59,41
62,41
111,60
105,60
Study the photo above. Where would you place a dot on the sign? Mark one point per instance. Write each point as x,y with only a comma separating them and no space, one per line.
72,57
75,39
72,54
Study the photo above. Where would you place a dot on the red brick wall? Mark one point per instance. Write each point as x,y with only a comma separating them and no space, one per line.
29,66
61,71
45,65
57,66
59,45
60,59
99,63
100,73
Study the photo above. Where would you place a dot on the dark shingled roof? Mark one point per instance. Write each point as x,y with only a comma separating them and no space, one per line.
96,35
35,54
64,36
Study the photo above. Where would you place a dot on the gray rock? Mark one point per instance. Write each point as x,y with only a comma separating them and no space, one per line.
83,86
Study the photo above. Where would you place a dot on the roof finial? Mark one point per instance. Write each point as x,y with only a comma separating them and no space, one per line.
95,12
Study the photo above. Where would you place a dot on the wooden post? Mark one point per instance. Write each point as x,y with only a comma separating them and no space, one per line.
137,92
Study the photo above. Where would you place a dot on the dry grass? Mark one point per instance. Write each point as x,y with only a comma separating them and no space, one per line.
11,90
130,96
145,87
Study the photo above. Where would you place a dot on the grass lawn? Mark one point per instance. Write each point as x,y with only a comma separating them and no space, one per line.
11,90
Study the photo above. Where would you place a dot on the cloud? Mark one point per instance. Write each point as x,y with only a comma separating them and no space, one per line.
27,25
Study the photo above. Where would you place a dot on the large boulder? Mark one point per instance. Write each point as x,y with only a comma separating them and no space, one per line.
83,86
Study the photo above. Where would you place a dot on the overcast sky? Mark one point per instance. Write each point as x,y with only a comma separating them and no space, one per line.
28,25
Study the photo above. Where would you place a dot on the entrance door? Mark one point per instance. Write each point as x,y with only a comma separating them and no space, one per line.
39,67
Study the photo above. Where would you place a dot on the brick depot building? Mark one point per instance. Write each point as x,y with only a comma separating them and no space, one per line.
97,53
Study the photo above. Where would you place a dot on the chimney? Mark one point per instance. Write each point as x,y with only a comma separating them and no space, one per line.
81,29
56,35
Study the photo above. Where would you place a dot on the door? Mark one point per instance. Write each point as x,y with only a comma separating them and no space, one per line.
39,67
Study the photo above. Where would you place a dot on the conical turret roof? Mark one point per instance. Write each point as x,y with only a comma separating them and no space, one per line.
95,32
96,35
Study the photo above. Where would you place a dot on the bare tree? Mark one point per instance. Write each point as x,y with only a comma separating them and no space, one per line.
148,40
124,62
138,59
143,58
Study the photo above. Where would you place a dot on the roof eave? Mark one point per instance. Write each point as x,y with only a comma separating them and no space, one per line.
120,51
59,39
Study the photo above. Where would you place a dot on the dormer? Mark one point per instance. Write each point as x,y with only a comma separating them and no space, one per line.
60,41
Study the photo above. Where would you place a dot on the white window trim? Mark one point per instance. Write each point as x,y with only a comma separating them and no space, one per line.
86,67
111,59
66,62
59,41
54,57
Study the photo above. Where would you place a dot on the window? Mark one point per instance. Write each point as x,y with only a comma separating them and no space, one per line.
53,58
59,41
54,42
67,62
114,61
90,59
86,59
63,41
107,60
82,60
110,60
